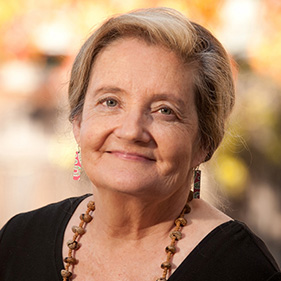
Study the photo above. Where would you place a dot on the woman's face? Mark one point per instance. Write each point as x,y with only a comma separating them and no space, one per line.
138,132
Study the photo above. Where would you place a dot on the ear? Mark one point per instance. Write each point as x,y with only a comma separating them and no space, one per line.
199,157
76,127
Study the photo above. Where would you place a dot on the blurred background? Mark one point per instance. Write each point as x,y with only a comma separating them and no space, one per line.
38,42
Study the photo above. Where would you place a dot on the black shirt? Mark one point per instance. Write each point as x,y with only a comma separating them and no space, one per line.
31,250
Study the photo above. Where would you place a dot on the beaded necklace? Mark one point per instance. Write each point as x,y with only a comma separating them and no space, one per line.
78,231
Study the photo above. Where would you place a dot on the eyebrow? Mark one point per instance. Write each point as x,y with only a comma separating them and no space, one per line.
167,96
109,89
156,96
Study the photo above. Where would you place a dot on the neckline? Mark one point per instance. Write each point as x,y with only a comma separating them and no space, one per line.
73,202
196,250
74,205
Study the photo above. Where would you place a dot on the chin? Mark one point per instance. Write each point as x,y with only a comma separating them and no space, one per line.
128,184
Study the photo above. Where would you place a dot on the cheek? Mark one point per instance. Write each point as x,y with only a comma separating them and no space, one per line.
180,145
86,135
175,145
89,133
94,133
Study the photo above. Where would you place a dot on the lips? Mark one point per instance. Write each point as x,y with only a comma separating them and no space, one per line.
132,155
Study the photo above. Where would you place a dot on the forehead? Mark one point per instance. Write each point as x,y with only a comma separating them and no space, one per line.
130,48
134,61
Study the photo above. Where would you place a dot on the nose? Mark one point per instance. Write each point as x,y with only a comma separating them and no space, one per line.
133,126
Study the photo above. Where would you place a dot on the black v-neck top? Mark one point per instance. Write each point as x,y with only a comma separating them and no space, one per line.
31,250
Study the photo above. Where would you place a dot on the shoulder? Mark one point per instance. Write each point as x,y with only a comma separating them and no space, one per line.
233,239
235,249
46,213
229,250
248,245
45,220
30,243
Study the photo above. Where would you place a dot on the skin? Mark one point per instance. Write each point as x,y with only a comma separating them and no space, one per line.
147,138
138,135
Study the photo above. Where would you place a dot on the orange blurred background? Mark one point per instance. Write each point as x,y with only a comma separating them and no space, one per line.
38,42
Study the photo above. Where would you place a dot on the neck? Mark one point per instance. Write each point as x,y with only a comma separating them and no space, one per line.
126,217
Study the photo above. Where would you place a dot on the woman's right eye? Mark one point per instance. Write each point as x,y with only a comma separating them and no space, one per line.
109,102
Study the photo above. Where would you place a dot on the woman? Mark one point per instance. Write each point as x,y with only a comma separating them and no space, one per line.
150,93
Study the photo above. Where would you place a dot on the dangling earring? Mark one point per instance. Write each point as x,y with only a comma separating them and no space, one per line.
77,166
197,182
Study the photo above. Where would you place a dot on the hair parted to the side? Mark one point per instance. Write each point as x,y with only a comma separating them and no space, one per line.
195,46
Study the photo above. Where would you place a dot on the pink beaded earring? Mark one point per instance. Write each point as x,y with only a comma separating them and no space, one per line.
197,183
77,166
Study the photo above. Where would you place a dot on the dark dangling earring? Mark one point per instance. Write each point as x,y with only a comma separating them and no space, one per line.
197,183
77,166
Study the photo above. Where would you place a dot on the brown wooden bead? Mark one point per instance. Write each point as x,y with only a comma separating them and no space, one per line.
176,234
86,218
166,264
171,249
73,245
187,209
70,260
182,221
91,205
78,230
65,273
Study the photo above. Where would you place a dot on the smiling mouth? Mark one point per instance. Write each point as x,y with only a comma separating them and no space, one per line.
131,156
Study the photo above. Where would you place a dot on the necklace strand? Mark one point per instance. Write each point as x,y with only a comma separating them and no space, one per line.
78,231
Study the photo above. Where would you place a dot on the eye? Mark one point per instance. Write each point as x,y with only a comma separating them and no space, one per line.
109,102
166,111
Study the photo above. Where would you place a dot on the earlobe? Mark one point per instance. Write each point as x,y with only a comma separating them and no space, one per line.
199,157
76,126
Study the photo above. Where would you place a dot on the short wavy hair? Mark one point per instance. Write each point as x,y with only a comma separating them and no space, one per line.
194,45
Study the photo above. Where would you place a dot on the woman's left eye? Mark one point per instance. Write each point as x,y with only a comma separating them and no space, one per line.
166,111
